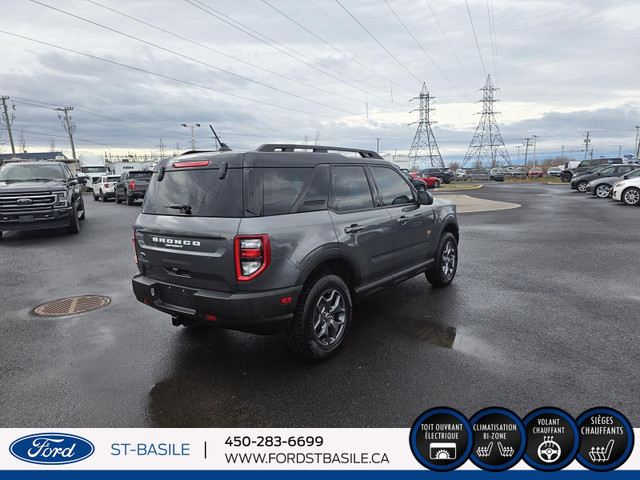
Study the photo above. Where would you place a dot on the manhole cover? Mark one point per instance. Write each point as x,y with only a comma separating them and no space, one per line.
71,305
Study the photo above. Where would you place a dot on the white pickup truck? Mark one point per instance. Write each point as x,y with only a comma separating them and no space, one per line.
103,188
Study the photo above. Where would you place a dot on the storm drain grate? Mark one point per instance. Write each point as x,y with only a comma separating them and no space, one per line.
71,305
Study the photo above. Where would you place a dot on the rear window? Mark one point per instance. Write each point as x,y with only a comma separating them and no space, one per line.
139,174
201,190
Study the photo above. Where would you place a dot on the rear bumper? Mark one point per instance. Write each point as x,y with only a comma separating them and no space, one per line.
136,193
260,312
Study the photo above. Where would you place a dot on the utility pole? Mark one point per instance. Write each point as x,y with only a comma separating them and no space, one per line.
620,151
70,128
526,149
562,154
378,145
8,123
586,148
193,138
518,147
637,141
534,149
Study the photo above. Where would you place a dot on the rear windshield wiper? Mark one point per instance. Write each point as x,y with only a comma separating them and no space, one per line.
186,209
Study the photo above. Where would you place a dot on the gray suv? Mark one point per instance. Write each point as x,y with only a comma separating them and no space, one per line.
285,239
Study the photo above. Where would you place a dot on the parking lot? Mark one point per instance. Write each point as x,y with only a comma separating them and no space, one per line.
543,312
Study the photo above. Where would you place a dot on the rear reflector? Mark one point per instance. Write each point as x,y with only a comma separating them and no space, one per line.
285,300
211,317
201,163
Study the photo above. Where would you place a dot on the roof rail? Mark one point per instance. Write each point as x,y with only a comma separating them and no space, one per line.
282,147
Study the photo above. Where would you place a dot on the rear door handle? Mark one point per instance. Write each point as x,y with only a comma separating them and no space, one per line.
355,228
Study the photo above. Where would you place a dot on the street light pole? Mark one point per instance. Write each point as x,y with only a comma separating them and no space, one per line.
193,138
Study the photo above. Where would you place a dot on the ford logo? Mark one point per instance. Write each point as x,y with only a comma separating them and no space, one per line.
24,201
51,448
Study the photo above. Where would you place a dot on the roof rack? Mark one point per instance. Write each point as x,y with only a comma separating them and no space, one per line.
282,147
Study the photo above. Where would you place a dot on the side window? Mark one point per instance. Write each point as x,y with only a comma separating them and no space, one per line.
608,170
282,187
624,169
393,188
349,189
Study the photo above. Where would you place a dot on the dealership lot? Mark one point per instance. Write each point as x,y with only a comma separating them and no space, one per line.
543,312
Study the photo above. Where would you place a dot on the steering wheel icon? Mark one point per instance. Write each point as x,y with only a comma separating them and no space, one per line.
549,451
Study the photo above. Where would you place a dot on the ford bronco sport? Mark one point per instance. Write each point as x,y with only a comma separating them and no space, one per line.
285,238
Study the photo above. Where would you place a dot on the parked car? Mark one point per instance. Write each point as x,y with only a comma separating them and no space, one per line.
603,187
482,174
580,182
132,185
39,195
627,191
554,172
283,239
420,185
535,172
519,172
586,165
460,174
105,187
444,175
432,182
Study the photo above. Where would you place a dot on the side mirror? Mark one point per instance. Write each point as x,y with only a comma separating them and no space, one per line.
425,198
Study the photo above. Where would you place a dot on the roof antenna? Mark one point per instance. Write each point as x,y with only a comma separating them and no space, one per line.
223,146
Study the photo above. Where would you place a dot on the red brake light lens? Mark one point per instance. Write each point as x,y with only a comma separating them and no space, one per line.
135,245
252,255
106,185
200,163
132,185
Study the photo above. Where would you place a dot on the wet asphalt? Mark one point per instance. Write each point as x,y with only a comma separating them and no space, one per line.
544,311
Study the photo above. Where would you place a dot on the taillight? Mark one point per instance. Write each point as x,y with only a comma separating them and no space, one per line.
132,185
252,256
106,185
135,245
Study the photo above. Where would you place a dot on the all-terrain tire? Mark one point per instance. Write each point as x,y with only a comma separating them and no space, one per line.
444,269
322,318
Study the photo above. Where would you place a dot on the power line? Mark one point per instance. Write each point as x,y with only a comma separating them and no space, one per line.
492,35
325,42
421,47
193,42
378,42
448,42
476,37
166,77
281,48
193,59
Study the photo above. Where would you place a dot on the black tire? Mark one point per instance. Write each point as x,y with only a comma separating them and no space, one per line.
440,180
422,187
565,178
602,191
436,184
0,233
102,199
324,307
117,197
582,186
74,222
130,200
631,196
95,197
444,269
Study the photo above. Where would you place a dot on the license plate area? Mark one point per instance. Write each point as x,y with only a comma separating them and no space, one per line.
182,297
26,218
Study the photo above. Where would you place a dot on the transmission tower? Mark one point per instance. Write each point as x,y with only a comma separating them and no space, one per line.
424,150
487,145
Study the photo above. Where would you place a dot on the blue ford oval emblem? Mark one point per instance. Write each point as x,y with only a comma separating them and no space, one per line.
51,448
24,201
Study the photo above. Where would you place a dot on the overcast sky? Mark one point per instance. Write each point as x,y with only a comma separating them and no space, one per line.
345,71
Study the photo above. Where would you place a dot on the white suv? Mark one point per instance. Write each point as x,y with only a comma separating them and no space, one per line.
627,191
103,189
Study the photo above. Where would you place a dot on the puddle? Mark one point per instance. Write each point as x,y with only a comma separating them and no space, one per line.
449,337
